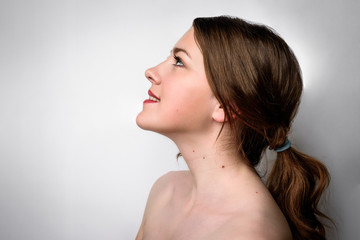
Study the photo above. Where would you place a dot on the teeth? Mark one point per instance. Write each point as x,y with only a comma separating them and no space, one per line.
153,99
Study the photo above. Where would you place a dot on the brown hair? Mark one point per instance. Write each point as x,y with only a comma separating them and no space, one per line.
257,80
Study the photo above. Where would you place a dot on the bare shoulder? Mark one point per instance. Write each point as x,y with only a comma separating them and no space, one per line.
164,188
260,230
167,183
259,223
161,194
258,217
172,176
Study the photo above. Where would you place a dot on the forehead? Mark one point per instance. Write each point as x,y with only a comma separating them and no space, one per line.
188,43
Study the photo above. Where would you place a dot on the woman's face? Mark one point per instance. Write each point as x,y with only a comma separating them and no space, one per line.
181,99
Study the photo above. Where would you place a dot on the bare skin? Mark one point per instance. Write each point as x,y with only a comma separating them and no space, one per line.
245,211
221,196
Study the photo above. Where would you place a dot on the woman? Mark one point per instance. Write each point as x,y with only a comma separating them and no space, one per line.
229,91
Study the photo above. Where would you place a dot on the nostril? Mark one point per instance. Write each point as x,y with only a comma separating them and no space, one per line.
150,78
149,75
152,75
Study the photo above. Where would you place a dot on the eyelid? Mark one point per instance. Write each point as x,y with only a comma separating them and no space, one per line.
178,59
178,50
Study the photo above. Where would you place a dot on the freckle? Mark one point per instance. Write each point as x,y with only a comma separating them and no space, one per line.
223,166
203,157
256,192
193,150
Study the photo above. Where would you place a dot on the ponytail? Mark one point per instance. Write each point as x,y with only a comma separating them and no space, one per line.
296,182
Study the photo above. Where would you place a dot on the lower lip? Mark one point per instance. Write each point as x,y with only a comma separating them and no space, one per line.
149,101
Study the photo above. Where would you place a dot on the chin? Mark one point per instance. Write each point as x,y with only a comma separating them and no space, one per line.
143,122
140,122
154,124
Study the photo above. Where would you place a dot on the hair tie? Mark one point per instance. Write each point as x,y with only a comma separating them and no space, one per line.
285,146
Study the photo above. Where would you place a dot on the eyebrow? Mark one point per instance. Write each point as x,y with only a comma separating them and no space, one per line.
177,49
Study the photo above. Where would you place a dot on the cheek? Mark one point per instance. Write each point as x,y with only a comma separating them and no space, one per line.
188,106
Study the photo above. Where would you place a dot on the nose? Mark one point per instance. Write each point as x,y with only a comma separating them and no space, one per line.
152,75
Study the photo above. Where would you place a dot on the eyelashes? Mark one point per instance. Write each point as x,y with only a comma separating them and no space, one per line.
178,61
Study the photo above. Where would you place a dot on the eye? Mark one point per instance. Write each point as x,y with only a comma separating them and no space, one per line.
178,61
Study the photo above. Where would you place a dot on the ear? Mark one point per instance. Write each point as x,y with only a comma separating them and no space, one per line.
219,114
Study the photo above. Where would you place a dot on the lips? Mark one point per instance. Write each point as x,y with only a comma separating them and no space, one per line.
151,94
152,98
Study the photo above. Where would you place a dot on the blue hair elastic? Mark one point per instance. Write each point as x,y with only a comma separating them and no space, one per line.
285,146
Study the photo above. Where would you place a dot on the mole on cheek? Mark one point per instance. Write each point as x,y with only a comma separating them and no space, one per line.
223,166
203,157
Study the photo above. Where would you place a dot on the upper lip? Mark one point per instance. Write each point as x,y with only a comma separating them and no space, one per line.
153,95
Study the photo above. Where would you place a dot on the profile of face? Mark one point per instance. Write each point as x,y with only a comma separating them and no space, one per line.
180,98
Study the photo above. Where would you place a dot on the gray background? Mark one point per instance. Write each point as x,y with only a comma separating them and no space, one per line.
74,165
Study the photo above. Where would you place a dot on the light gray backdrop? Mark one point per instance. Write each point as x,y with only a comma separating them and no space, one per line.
74,165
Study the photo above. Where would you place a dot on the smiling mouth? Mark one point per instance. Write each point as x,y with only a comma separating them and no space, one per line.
152,98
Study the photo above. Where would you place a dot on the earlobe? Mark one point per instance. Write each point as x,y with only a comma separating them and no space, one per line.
219,114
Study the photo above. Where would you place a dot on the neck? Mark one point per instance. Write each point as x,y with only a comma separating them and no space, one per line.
214,166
